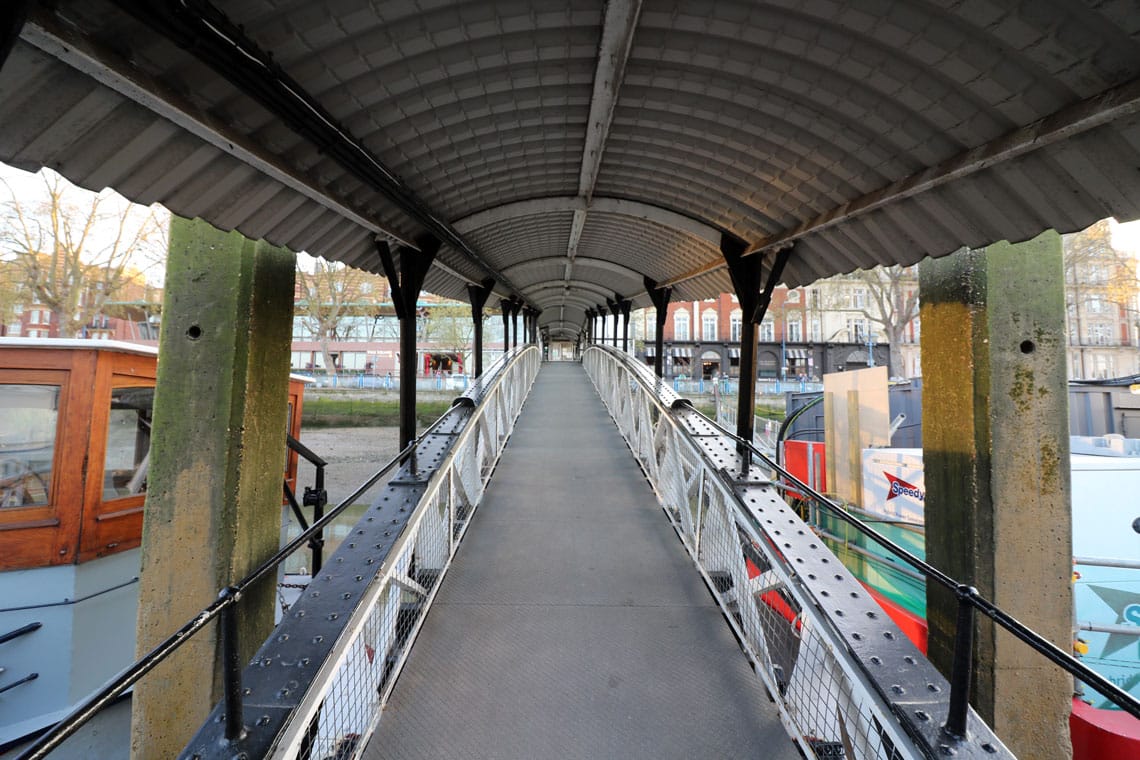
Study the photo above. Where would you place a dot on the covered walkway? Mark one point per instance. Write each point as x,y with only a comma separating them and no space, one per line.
572,622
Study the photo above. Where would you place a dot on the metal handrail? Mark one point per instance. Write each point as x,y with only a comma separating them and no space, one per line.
227,597
967,595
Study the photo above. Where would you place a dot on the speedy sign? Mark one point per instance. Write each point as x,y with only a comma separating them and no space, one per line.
893,484
899,487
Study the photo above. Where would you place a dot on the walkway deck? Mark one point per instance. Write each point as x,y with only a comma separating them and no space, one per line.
572,623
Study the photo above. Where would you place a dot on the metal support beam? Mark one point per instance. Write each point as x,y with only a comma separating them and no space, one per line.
505,310
618,25
747,274
625,305
478,295
406,288
516,306
602,309
660,297
615,309
589,326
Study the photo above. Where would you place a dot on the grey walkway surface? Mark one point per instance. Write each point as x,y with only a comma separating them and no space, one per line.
572,623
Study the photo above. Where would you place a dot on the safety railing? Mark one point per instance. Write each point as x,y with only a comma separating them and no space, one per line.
315,688
846,680
849,683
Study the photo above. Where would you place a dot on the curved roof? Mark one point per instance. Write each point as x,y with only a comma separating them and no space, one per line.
571,148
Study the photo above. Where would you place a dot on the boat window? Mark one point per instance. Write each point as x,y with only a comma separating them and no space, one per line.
27,443
128,442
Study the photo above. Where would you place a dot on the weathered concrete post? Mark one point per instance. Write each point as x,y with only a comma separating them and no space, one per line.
213,507
996,451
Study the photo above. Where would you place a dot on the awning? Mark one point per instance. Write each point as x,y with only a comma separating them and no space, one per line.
650,349
684,352
796,353
734,353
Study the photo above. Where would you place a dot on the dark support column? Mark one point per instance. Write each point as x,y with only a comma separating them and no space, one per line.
588,330
213,506
625,304
414,266
660,298
614,311
516,306
996,454
602,324
505,310
747,273
12,18
478,295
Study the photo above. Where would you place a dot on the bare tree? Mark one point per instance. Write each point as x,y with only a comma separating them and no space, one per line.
450,328
75,251
327,299
885,296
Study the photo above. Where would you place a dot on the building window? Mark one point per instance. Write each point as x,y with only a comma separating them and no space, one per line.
735,324
793,296
708,326
816,330
795,331
681,325
859,298
1100,334
857,330
767,331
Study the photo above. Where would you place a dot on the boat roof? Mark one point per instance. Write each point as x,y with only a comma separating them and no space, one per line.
84,344
80,344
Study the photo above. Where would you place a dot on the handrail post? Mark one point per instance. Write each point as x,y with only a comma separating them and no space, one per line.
231,665
319,512
962,668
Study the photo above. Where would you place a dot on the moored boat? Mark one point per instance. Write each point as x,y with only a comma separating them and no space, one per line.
75,429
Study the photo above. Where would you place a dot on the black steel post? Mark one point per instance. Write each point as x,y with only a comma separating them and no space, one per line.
746,273
660,298
625,304
231,666
602,309
516,306
414,266
505,310
478,295
614,311
318,513
962,668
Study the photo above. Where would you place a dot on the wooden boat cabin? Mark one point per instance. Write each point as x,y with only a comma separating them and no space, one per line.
74,448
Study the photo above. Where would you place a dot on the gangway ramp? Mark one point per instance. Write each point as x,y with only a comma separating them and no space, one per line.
572,623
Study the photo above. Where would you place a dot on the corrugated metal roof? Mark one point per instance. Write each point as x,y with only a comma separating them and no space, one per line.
867,133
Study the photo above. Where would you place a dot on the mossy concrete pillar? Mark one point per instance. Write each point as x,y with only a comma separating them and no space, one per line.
213,508
996,454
